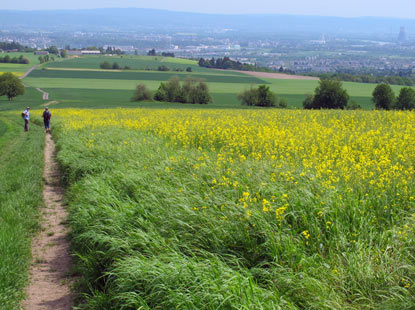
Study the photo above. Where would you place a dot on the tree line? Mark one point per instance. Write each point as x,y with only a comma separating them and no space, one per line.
8,46
14,60
46,58
330,94
191,90
226,63
373,79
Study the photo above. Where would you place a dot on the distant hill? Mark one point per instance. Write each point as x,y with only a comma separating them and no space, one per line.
161,20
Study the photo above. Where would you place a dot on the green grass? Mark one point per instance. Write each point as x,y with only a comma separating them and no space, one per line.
21,167
31,98
135,62
140,76
87,88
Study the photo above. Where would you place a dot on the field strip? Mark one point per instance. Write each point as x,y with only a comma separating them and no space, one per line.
218,72
278,76
50,280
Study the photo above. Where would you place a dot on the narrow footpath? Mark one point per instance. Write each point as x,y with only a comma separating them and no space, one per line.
45,94
50,280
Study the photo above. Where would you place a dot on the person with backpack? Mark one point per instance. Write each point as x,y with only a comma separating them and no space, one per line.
46,119
26,117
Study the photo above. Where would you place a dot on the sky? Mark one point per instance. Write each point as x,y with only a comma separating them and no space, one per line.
344,8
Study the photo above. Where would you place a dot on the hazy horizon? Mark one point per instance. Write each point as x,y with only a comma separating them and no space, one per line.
401,9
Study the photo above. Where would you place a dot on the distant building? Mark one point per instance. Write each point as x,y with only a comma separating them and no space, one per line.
73,53
91,52
41,53
402,35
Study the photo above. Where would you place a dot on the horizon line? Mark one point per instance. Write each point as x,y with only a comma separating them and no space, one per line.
208,13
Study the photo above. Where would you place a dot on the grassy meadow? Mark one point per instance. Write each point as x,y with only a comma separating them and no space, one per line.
18,68
21,168
200,209
78,82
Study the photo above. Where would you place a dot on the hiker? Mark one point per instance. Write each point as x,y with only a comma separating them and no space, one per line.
26,117
46,119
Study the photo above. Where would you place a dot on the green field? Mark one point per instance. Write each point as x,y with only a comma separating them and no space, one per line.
78,82
9,67
135,62
143,76
21,168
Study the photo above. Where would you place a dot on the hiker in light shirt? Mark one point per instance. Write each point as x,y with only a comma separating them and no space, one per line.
26,117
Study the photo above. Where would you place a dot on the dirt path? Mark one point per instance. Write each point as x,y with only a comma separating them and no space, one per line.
50,281
278,76
45,94
28,72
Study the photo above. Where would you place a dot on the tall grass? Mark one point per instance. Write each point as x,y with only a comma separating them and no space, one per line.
21,166
152,230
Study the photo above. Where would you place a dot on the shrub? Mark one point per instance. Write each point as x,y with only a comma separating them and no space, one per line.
163,68
283,103
192,91
383,97
105,65
161,93
406,99
142,93
116,66
189,69
261,97
353,106
308,101
328,95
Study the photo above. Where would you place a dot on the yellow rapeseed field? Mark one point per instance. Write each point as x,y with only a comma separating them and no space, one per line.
359,149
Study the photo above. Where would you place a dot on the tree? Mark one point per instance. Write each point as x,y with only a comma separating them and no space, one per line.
266,98
63,53
308,101
261,97
53,50
161,93
11,86
191,91
105,65
173,89
141,93
163,68
406,99
151,52
328,95
383,96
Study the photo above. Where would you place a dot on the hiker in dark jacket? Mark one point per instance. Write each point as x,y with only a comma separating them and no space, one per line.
46,119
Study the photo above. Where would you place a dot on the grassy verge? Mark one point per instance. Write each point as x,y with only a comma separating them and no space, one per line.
21,166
